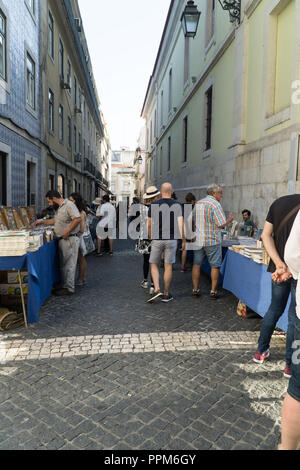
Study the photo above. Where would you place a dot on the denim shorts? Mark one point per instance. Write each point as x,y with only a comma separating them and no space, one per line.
213,253
294,383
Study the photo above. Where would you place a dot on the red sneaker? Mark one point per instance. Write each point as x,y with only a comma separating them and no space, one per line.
259,358
287,372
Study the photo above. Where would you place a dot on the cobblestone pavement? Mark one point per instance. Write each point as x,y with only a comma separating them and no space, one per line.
105,370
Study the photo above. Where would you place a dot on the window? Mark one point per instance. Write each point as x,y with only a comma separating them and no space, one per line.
51,111
170,90
31,183
30,82
185,139
69,75
75,139
169,153
3,179
3,46
209,96
210,21
61,122
161,161
161,109
75,92
51,185
69,132
79,143
61,59
51,36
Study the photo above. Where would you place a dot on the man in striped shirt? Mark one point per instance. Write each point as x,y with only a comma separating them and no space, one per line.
209,219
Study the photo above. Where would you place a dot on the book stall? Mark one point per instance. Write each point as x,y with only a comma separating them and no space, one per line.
28,266
245,275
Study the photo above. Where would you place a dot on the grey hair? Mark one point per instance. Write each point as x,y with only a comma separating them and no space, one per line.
213,188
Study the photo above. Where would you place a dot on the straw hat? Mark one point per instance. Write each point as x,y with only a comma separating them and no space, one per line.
97,201
151,192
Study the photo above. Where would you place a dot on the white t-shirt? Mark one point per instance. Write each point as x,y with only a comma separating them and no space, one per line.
292,257
108,213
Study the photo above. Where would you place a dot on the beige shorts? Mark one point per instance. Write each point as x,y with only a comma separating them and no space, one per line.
168,247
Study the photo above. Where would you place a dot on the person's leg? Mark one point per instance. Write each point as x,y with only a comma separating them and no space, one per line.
69,248
196,276
215,275
214,256
155,276
291,324
99,245
146,266
168,273
198,260
280,294
111,244
183,259
82,267
290,424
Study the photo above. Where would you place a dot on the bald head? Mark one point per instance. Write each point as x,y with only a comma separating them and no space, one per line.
166,190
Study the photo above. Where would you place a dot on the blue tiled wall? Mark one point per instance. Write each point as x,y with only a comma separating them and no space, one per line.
23,32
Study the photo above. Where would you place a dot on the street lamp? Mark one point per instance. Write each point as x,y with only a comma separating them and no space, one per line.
140,160
190,19
234,8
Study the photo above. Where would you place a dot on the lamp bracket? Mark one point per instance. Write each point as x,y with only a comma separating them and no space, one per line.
234,8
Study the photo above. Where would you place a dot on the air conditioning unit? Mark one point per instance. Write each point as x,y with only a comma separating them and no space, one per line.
64,85
78,157
78,24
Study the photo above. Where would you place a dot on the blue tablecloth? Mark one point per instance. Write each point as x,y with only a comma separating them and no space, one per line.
251,283
43,272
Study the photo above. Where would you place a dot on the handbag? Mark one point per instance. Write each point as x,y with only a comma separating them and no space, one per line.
87,245
143,247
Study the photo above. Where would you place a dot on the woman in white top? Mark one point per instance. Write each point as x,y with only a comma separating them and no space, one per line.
78,201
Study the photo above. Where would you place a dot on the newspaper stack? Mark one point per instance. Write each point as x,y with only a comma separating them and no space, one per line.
14,243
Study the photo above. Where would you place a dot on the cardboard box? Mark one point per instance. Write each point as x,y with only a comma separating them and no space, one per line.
13,278
12,289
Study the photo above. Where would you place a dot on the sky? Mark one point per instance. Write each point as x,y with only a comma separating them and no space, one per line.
123,38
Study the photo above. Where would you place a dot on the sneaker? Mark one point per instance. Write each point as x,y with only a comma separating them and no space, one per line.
213,295
196,293
167,298
155,296
183,270
110,253
99,254
151,291
144,284
259,358
287,372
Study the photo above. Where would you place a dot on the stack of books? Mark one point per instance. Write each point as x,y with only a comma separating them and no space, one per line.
14,243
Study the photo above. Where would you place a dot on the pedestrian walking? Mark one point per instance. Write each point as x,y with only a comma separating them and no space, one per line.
82,264
143,245
277,228
66,228
290,415
165,227
209,220
106,214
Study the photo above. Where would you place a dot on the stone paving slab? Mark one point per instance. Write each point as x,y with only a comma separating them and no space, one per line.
106,370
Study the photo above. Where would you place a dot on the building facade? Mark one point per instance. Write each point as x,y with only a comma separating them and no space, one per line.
224,107
72,125
52,132
20,117
123,175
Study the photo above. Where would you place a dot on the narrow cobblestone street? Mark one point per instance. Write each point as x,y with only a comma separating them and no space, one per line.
105,370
